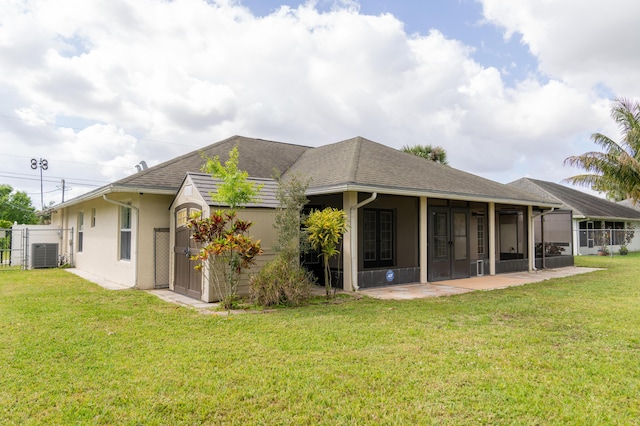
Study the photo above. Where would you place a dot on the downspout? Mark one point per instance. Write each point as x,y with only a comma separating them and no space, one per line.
135,253
353,219
541,236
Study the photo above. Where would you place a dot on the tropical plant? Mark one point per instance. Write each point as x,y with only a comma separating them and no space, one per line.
325,229
436,154
234,190
616,169
225,239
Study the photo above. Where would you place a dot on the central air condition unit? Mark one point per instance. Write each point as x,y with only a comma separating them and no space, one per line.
44,255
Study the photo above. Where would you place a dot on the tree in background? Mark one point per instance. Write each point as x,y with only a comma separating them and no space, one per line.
15,206
436,154
616,169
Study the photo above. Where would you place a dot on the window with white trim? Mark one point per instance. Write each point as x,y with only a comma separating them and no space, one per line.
80,231
125,233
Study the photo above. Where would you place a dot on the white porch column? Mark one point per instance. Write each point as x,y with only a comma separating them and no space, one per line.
492,238
531,239
423,240
350,242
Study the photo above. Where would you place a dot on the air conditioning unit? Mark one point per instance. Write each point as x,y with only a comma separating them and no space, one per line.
44,255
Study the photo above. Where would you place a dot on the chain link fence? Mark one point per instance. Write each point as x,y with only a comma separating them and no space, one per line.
35,246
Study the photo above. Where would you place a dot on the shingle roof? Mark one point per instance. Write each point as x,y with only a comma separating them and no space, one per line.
257,156
355,164
361,162
206,185
582,204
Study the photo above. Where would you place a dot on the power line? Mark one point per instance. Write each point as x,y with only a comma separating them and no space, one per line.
54,181
55,177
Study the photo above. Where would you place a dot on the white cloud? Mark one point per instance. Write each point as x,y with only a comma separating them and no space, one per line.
162,78
583,43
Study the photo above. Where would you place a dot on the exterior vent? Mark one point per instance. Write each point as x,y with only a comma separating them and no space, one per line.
480,268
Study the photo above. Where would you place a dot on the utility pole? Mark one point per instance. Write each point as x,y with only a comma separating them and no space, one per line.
63,190
43,164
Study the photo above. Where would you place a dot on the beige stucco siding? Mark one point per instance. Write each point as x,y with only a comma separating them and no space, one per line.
262,229
154,213
101,237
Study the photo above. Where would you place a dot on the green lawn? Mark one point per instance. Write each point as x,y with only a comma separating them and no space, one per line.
561,351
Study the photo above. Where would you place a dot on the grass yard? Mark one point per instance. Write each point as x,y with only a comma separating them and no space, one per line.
561,351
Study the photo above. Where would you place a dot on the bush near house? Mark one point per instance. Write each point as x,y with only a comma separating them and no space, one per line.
283,281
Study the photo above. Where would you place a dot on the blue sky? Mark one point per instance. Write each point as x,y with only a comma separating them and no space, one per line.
509,89
456,19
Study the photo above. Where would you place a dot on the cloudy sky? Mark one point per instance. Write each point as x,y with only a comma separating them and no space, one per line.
509,89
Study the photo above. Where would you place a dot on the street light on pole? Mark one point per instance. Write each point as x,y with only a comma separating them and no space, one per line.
43,164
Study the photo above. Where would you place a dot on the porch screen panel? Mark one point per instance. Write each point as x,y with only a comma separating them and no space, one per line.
460,235
369,227
386,235
440,235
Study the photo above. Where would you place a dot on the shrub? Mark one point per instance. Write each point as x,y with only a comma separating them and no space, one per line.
281,282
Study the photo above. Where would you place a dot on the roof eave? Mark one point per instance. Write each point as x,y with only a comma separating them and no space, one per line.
110,189
409,192
605,218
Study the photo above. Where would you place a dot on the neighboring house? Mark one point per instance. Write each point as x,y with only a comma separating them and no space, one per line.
589,217
410,219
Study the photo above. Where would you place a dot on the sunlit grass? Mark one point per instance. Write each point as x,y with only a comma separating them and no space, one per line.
560,351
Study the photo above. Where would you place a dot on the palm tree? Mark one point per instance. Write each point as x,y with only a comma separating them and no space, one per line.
615,170
430,152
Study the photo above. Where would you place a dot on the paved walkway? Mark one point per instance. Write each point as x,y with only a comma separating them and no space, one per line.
395,292
466,285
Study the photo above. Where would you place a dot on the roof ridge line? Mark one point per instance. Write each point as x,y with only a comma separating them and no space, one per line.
355,167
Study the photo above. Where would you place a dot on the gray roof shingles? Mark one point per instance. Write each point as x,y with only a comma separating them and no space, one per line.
582,204
357,161
206,186
258,157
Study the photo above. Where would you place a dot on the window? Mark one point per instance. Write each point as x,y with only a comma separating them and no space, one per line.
80,231
125,233
378,238
181,218
93,218
480,231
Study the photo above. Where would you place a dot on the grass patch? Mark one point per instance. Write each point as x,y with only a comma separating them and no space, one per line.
560,351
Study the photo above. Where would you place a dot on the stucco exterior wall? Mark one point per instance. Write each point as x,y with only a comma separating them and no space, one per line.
154,213
101,237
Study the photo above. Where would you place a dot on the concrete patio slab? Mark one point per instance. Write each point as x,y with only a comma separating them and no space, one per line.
452,287
396,292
